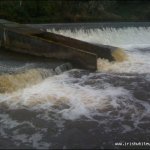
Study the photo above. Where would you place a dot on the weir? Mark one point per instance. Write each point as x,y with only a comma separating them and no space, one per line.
25,39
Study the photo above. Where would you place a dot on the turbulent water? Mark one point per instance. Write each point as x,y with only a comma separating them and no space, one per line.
79,108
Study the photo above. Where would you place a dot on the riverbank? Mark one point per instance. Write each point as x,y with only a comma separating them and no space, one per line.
50,11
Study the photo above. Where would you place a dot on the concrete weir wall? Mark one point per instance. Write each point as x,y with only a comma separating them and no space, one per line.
25,39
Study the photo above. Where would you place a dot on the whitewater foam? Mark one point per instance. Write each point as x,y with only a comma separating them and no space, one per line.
137,62
78,100
8,124
110,36
55,91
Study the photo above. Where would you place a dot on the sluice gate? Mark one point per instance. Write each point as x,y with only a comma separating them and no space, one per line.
24,39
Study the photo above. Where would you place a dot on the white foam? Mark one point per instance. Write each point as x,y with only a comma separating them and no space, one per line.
136,63
8,124
7,121
54,91
59,98
110,36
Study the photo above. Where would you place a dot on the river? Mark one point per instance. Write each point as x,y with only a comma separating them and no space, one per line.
41,108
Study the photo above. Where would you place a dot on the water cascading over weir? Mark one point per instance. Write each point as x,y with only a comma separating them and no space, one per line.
24,39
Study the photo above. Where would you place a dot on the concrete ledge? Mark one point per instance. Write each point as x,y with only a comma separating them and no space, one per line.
25,39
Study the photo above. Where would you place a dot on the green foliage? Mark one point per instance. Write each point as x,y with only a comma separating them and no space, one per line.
47,11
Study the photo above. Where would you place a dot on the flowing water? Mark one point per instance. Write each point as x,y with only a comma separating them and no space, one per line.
78,108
